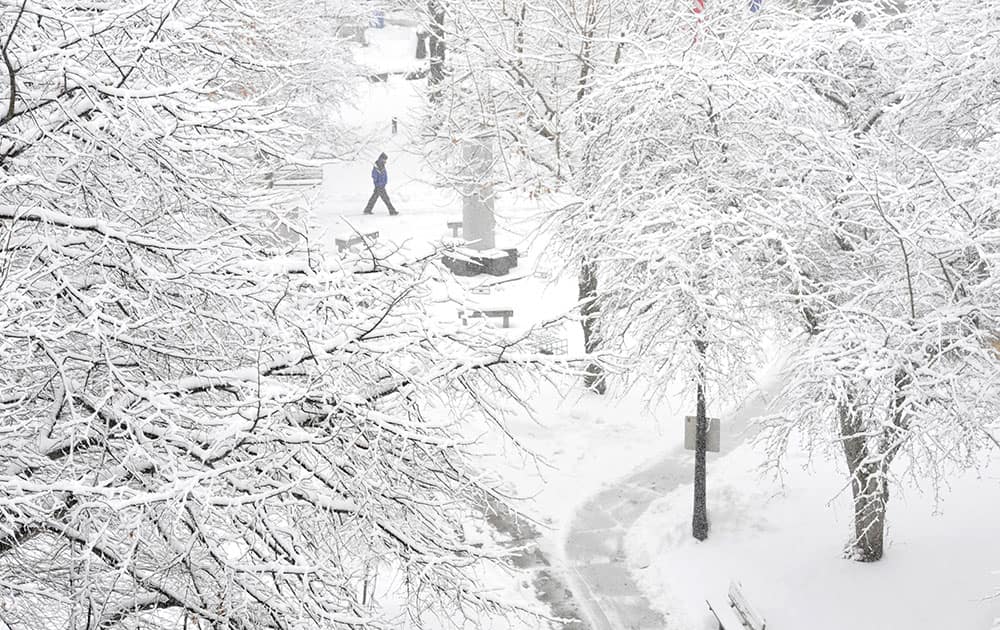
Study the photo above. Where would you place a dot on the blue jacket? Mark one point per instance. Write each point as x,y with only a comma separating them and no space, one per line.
380,176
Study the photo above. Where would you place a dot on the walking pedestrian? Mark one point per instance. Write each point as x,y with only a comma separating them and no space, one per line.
380,177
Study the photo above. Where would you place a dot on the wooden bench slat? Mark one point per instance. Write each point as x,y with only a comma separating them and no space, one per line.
294,176
741,605
725,617
351,241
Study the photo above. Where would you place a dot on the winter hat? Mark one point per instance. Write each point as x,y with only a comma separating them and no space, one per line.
382,157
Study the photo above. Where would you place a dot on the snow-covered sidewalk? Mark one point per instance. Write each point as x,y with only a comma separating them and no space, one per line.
596,545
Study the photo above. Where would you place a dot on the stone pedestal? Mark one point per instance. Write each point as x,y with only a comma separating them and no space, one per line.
495,262
461,262
469,262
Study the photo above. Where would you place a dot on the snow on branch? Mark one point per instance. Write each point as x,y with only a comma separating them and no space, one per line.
97,226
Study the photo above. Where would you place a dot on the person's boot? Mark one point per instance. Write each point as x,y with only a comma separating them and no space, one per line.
393,213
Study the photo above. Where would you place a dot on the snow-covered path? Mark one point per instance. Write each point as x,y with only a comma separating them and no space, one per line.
595,546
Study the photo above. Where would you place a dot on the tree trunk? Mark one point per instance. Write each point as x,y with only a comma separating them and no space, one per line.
699,518
594,378
435,9
871,494
869,487
585,47
519,43
422,45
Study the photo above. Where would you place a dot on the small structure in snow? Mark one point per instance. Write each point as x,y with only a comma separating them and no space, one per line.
463,261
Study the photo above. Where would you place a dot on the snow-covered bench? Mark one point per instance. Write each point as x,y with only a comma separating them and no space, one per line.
468,312
347,242
738,615
294,176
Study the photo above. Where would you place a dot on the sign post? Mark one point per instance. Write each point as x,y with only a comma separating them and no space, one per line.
712,436
699,518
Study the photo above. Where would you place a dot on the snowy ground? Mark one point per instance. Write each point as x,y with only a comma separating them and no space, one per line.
782,541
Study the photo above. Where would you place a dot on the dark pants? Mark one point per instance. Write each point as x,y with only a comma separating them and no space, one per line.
379,193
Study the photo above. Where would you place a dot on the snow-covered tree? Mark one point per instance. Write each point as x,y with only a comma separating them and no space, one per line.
805,170
896,264
203,425
516,70
680,148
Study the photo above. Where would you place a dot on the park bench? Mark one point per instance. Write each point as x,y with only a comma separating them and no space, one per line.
466,313
347,242
455,226
738,615
294,176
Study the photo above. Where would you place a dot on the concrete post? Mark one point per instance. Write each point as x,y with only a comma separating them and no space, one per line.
478,221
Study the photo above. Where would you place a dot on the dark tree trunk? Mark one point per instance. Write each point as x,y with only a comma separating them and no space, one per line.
594,378
871,495
699,518
869,487
519,43
435,9
421,45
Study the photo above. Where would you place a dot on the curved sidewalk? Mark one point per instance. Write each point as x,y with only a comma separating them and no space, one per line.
595,547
